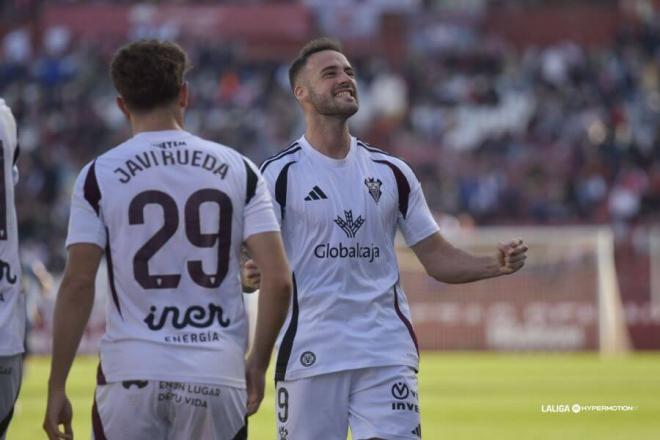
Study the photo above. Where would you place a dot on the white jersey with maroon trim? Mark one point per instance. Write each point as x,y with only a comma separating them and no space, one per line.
12,301
339,219
171,211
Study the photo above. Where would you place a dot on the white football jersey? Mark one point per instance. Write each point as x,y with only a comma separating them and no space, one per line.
12,301
171,211
339,219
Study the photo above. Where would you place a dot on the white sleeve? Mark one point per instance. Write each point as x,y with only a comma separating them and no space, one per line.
259,215
85,224
269,177
8,128
8,135
418,222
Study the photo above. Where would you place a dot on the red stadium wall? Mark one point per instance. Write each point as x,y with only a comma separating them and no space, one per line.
276,30
270,31
590,25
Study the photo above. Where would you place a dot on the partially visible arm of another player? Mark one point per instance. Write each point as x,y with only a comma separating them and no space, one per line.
72,309
449,264
268,253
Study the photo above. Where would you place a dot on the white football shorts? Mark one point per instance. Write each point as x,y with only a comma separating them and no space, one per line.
10,382
378,402
138,410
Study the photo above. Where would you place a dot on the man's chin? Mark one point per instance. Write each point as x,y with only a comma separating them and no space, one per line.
347,110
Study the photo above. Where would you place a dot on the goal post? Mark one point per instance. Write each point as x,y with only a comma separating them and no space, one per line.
654,255
613,335
566,298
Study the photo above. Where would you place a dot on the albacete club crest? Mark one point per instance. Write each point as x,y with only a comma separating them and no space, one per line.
373,185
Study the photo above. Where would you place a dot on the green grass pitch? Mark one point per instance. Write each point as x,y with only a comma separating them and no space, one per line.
463,396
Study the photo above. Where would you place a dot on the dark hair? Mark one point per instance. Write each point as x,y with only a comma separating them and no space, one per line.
309,49
149,73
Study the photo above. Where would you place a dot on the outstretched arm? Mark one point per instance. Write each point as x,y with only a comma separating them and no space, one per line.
449,264
72,309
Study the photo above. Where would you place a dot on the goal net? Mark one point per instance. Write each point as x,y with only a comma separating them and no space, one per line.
566,298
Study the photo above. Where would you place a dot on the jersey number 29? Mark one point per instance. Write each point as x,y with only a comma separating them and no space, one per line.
221,239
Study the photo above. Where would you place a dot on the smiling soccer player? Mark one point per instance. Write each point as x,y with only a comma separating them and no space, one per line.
348,354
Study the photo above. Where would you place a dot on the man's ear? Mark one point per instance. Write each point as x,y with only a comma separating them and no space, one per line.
123,107
299,92
184,95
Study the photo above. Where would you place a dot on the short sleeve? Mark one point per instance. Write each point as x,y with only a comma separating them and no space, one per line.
259,215
418,222
270,180
85,220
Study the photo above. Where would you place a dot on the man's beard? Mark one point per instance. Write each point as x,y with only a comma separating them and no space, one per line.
330,105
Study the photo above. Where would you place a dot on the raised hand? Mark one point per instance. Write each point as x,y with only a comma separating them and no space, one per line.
511,256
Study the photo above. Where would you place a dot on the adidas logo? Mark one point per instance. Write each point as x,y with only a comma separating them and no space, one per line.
316,194
417,431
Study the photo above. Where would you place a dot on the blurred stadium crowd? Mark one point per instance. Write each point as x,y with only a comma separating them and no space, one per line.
560,134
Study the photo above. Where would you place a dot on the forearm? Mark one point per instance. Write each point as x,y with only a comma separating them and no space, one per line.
448,264
455,266
274,297
72,309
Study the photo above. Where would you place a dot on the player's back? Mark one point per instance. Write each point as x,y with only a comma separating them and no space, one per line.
169,209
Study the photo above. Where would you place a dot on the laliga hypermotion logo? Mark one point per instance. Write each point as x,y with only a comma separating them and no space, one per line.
348,225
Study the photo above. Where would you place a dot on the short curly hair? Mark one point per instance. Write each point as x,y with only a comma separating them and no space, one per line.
149,73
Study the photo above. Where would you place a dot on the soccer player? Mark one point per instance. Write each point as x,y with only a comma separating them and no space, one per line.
348,355
170,211
12,301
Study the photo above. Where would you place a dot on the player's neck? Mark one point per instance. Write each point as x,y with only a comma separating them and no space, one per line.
157,120
330,138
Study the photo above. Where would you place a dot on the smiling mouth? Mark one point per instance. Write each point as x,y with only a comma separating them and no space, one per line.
345,93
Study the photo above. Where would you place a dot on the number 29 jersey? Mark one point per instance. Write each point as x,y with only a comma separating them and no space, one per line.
171,211
339,219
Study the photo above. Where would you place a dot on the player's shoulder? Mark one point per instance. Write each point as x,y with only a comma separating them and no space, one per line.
383,157
276,162
113,152
87,181
105,160
229,155
226,152
4,108
7,121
